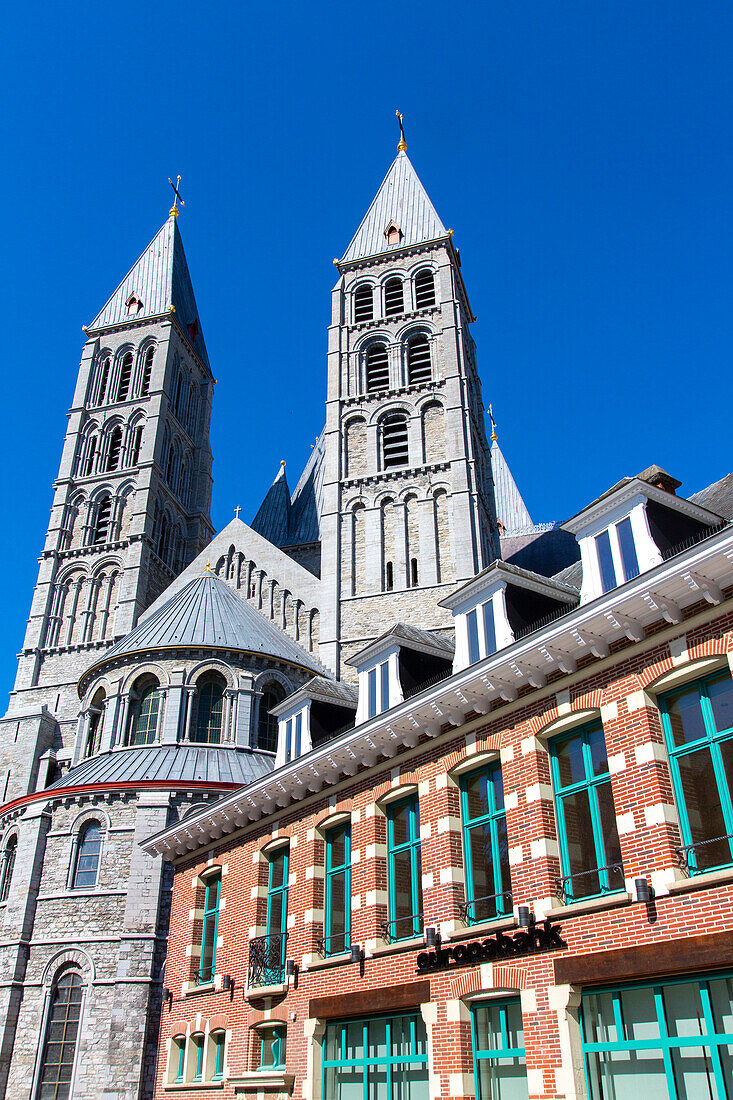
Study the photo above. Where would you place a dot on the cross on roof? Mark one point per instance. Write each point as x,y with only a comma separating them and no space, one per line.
174,209
237,510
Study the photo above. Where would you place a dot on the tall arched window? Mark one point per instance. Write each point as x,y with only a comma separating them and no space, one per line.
144,708
62,1030
419,368
103,379
207,727
88,851
272,694
363,303
123,388
102,520
424,290
114,448
137,438
88,456
147,372
394,297
8,863
377,368
394,440
163,538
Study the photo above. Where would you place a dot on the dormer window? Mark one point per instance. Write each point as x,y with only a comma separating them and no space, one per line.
393,234
481,632
378,687
617,559
293,737
134,305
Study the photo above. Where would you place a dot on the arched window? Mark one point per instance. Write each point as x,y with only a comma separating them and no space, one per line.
114,449
363,303
8,863
123,388
394,297
419,368
87,463
94,732
102,521
424,290
272,694
88,851
147,372
144,707
103,379
137,438
170,464
163,538
62,1030
394,440
207,727
377,368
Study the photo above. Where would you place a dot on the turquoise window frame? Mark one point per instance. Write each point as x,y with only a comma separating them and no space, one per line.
666,1043
278,1047
504,1051
198,1043
492,819
591,783
218,1039
181,1047
712,741
274,892
412,846
211,917
334,871
365,1063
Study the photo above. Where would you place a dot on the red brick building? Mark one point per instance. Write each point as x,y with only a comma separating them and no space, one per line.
512,874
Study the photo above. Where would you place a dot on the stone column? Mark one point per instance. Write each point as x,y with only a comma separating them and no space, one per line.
373,549
242,733
428,558
172,713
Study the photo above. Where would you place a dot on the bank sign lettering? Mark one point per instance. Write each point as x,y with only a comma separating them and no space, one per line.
545,937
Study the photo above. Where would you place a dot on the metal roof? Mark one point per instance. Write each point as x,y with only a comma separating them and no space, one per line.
273,516
160,279
294,521
207,612
401,199
169,763
511,510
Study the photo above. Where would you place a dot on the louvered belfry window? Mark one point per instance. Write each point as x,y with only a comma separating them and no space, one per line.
419,369
394,440
377,368
363,303
147,372
101,527
394,298
424,290
115,446
125,375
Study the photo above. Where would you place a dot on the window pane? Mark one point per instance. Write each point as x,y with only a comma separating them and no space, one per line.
625,1075
721,995
410,1082
685,718
720,693
337,847
693,1074
337,913
605,561
482,871
609,835
703,807
628,549
372,680
401,816
401,882
581,852
377,1037
503,1079
277,870
570,765
489,628
473,650
683,1009
597,744
479,790
384,671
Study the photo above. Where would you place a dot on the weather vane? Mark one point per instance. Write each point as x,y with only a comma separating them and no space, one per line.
173,212
401,144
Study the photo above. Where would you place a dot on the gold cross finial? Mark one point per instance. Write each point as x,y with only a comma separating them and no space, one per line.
494,436
207,568
237,510
173,212
401,144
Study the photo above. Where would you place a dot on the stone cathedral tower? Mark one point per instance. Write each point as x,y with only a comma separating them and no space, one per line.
408,496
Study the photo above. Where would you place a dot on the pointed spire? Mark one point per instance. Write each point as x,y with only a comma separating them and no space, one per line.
511,511
273,518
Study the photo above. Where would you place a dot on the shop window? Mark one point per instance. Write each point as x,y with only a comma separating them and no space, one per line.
272,1048
404,870
209,929
337,902
589,846
387,1058
59,1049
499,1066
88,852
698,726
671,1040
485,846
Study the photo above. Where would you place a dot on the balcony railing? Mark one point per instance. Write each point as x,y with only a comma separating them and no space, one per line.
476,910
333,945
687,856
403,928
267,960
693,540
590,884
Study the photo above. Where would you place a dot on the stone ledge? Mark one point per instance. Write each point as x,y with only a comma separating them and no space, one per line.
341,959
592,905
395,948
486,928
262,1079
699,882
257,992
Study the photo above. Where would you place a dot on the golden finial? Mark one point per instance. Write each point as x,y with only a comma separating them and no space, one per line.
401,144
494,436
173,212
207,568
282,461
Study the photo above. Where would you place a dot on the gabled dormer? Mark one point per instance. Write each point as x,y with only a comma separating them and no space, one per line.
398,665
500,605
636,525
317,711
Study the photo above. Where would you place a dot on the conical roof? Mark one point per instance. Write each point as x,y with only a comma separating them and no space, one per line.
511,510
401,199
206,613
159,279
273,517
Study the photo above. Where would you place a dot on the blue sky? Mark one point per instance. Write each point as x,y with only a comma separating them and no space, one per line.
581,152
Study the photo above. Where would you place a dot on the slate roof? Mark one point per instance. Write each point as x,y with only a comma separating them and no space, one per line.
273,517
169,763
718,497
206,612
295,520
402,199
159,278
511,510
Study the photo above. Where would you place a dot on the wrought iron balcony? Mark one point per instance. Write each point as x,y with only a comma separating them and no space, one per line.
687,856
475,909
334,945
403,928
609,880
267,960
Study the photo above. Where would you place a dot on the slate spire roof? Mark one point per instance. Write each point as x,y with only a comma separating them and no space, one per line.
295,520
206,612
401,200
273,517
511,510
158,280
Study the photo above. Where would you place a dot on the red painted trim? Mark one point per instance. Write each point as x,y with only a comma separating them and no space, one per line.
144,784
